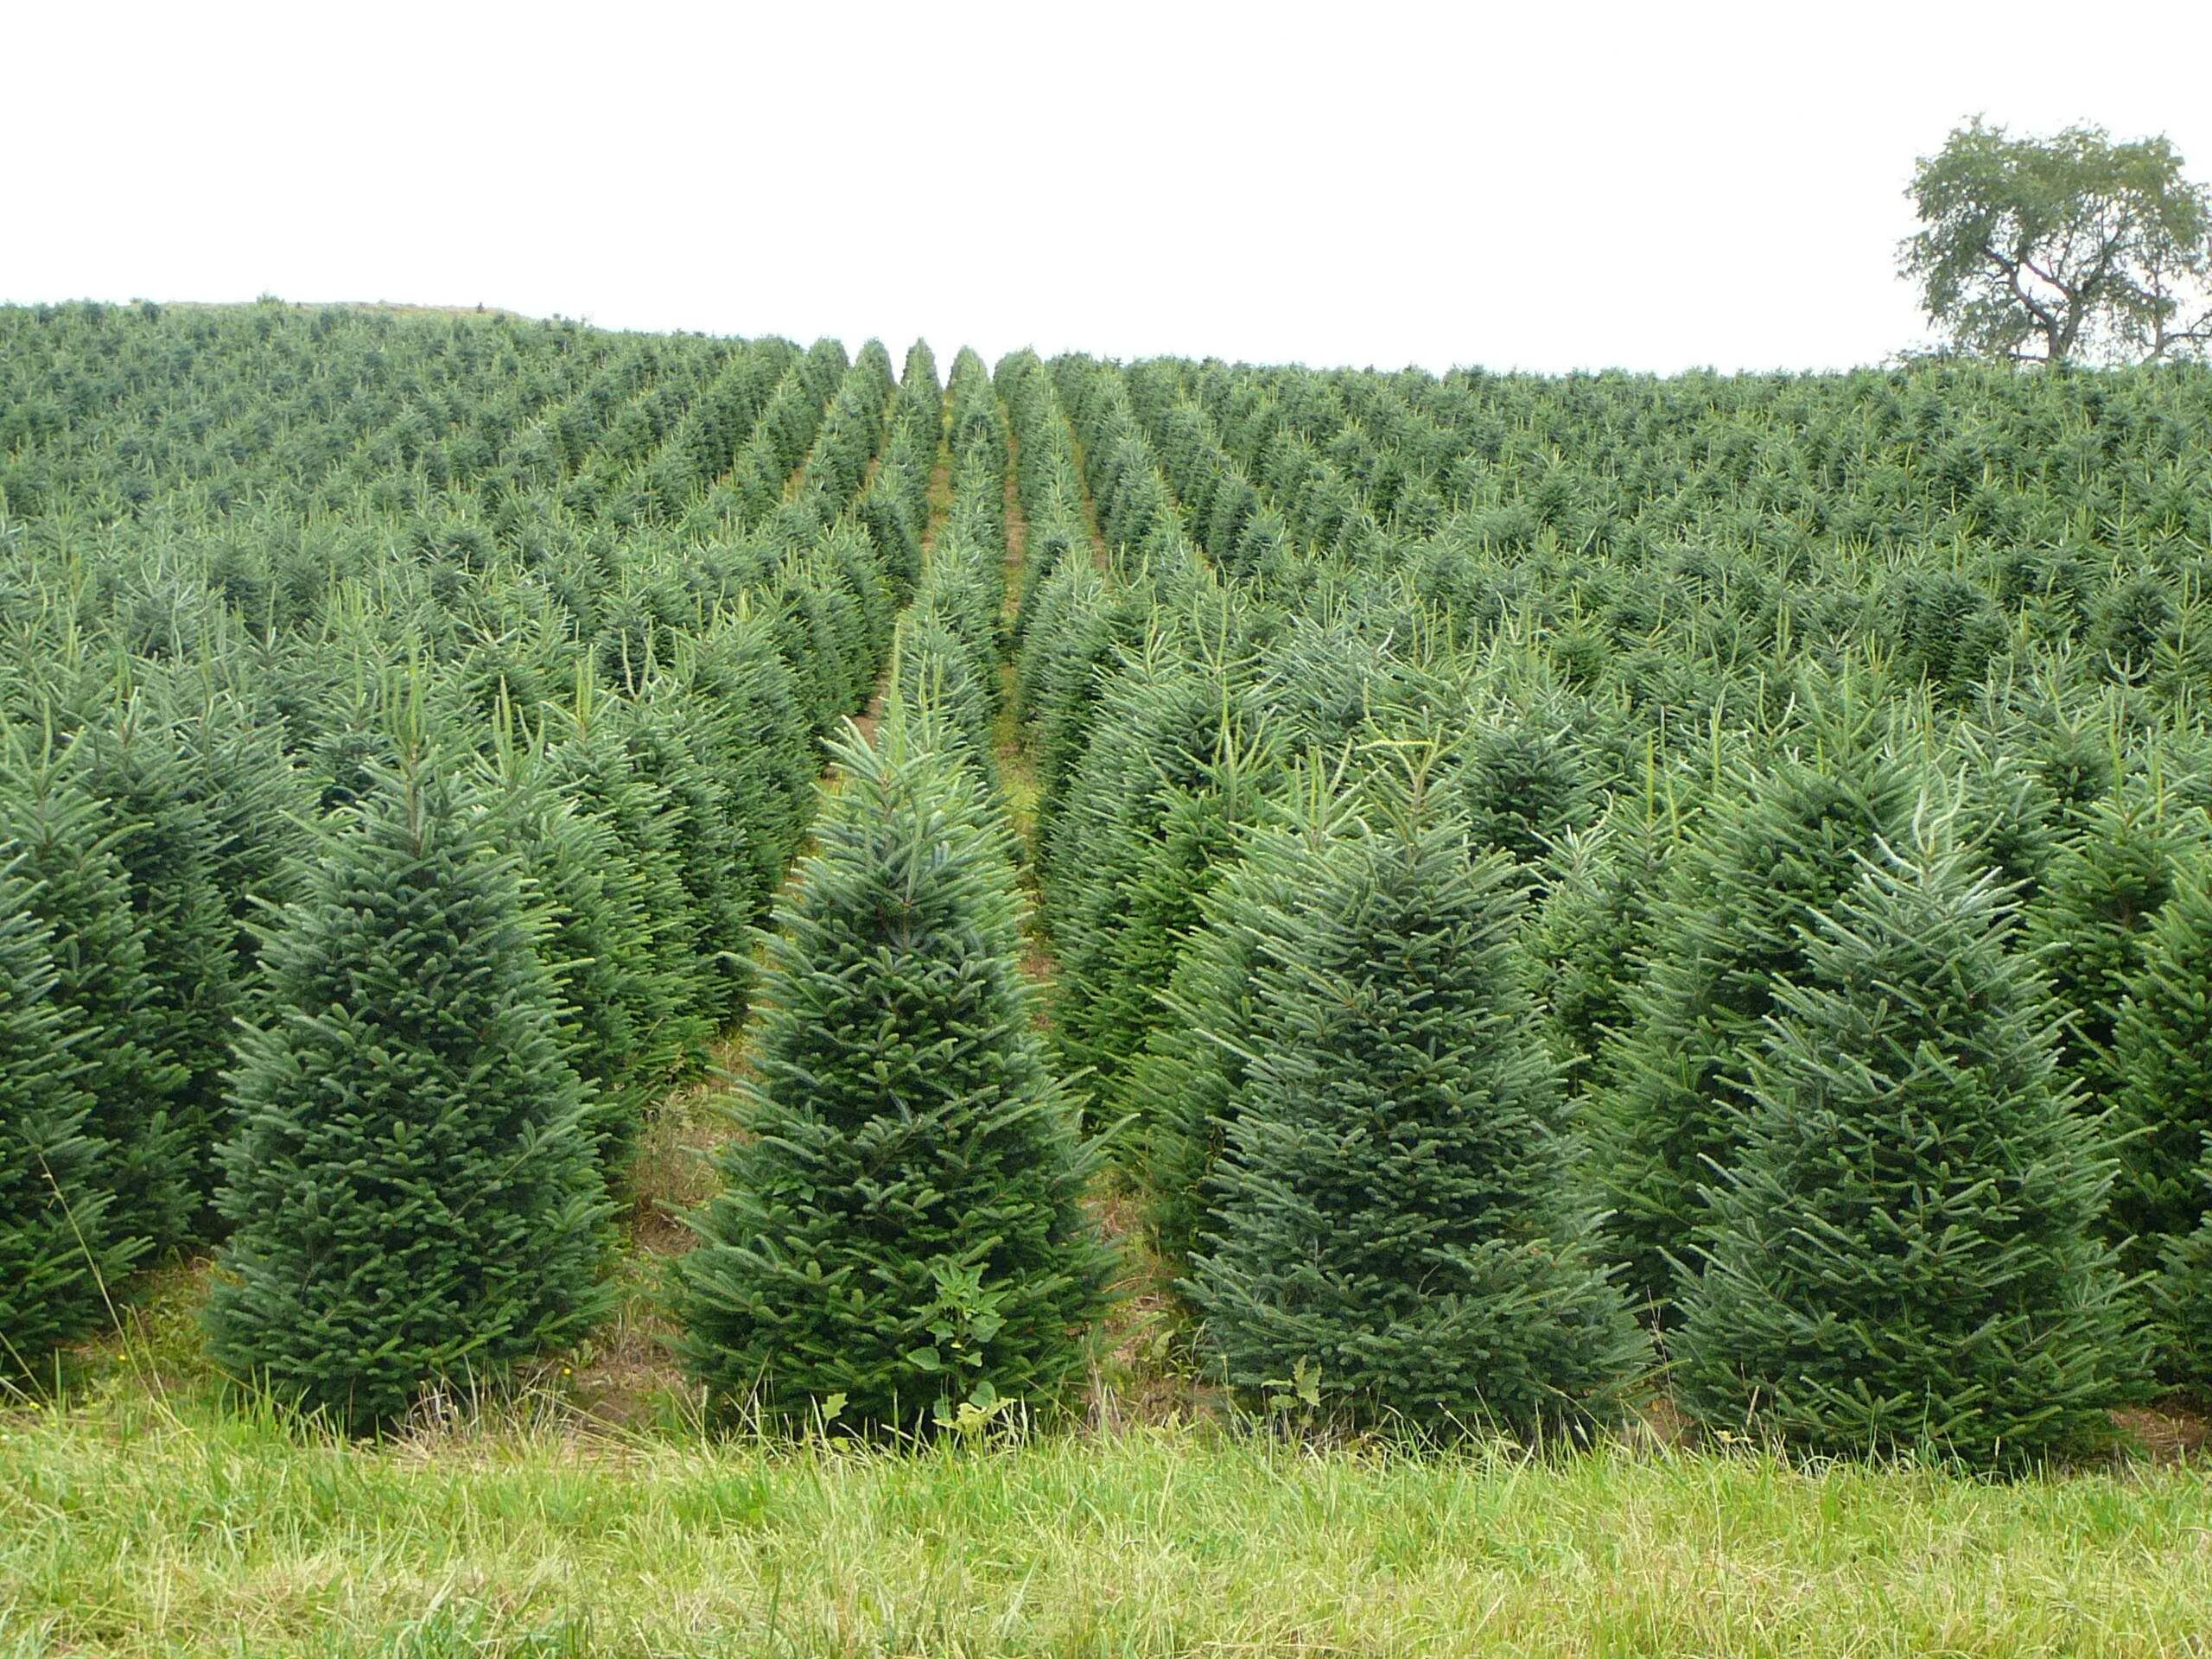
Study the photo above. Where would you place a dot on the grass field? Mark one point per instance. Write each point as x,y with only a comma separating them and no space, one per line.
145,1516
133,1530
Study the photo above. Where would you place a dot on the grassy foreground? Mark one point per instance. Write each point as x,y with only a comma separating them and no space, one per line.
131,1527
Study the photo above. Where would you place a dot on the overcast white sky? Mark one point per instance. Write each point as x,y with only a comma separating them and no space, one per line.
1651,187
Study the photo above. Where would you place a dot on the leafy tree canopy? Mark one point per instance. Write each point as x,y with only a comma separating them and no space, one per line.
2061,248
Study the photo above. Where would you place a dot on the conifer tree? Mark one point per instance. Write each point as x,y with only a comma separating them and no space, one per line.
57,1258
2090,923
1200,832
935,668
589,762
1187,1084
619,1017
2180,1303
1399,1233
769,752
900,1233
1738,894
1522,783
81,892
411,1186
1593,924
1905,1257
678,744
2162,1047
259,804
1167,733
169,850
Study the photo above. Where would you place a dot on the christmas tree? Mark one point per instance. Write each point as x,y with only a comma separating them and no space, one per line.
57,1260
64,841
1769,855
411,1188
901,1233
1399,1237
2162,1042
1905,1255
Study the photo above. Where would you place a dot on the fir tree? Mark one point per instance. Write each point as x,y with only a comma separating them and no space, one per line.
257,803
1905,1257
1730,920
679,745
770,755
1523,784
411,1186
1167,734
2181,1302
57,1259
621,1019
169,850
900,1232
589,762
1399,1234
2162,1047
1185,1084
935,668
65,843
1594,923
1201,831
2090,923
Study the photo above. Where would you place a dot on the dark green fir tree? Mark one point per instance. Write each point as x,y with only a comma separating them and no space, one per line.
1739,892
411,1188
1905,1258
621,1017
57,1260
901,1234
1585,935
587,763
2091,922
1399,1237
2161,1045
66,840
170,849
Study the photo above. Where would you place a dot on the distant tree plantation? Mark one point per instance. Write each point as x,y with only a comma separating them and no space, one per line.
1483,902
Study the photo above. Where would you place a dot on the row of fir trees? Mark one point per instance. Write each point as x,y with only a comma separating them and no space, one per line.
351,925
1555,889
1826,1052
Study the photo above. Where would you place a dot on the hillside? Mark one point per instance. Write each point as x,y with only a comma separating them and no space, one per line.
1300,1010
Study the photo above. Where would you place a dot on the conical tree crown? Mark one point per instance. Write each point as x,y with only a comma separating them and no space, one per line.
1774,851
1906,1257
1187,1086
411,1186
1399,1224
2161,1121
168,848
622,1024
65,842
901,1233
1591,927
590,764
56,1258
2092,921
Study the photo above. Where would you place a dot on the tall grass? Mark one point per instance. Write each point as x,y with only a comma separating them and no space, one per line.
134,1525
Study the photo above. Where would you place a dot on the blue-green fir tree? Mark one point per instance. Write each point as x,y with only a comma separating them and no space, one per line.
1399,1233
1905,1257
899,1235
411,1188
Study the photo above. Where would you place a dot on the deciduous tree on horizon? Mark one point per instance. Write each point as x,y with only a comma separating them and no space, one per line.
2065,249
